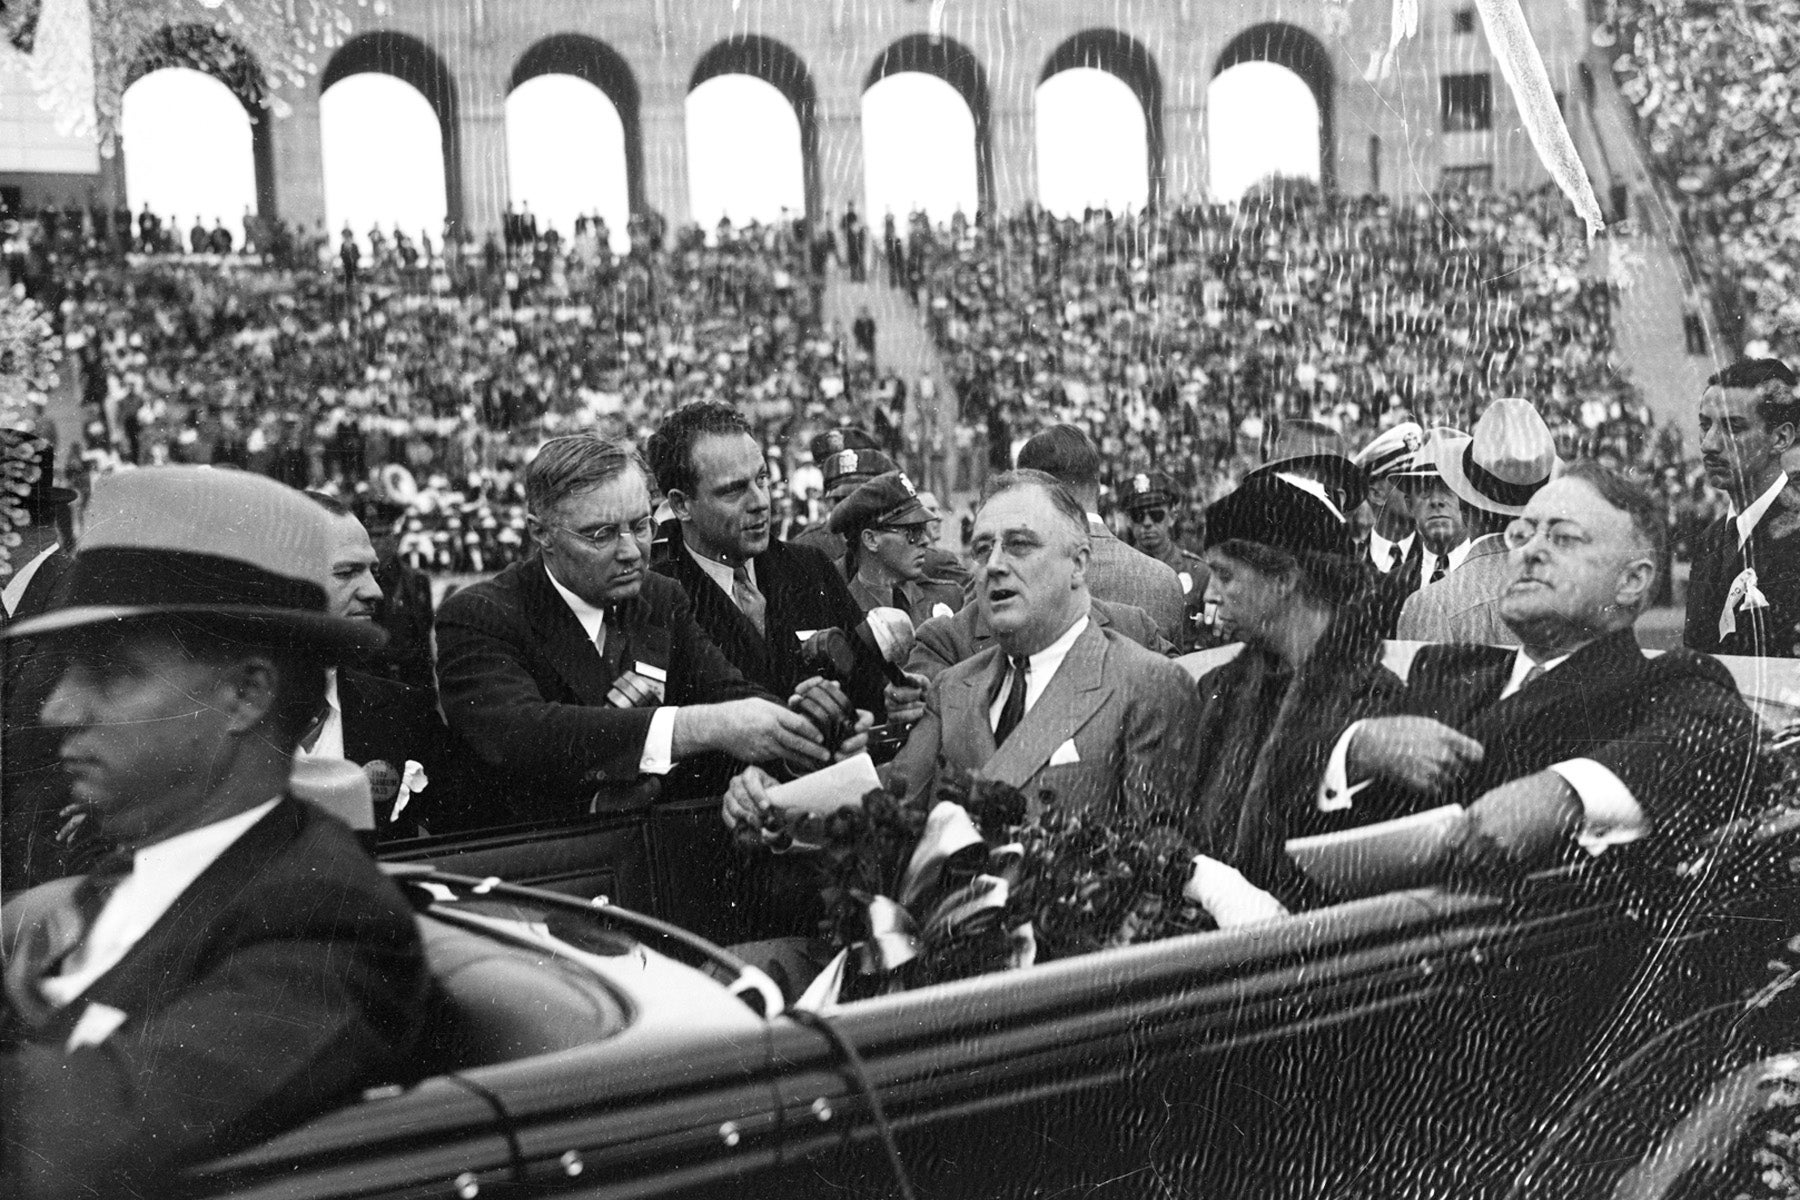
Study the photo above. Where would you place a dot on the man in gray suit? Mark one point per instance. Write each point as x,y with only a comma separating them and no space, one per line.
1114,570
1492,474
1059,703
945,641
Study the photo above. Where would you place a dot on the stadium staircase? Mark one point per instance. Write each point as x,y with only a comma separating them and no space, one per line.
1659,294
903,345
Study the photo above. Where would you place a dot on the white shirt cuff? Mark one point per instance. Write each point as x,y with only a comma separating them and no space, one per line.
1231,899
1610,816
1335,790
659,743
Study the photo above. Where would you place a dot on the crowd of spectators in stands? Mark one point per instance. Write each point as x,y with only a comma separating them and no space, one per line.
1169,337
1716,100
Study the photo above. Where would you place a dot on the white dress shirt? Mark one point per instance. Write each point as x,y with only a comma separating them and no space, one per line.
1746,520
330,742
159,874
1381,551
1039,670
658,757
14,591
1611,815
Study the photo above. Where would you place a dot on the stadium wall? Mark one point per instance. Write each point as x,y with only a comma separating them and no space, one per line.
1382,134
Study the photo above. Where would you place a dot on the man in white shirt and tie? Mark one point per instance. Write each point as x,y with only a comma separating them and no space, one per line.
1394,533
237,964
1744,590
1058,704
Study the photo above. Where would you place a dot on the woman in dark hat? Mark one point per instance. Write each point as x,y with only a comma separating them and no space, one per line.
1294,589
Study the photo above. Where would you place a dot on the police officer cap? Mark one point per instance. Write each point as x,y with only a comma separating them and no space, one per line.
1148,489
860,464
887,499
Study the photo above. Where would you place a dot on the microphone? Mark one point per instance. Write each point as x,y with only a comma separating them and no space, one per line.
889,634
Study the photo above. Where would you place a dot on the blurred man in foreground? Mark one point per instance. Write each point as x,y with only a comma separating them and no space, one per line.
238,964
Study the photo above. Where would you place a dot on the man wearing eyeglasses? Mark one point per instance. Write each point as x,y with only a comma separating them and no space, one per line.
1575,738
582,675
1149,503
887,530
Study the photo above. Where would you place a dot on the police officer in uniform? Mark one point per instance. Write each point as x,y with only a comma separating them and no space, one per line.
887,531
1150,500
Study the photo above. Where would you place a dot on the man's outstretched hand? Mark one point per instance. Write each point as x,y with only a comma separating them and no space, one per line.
1418,753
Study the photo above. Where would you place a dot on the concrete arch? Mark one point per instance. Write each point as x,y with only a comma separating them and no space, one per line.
1127,58
957,66
1300,52
406,58
205,49
599,64
777,65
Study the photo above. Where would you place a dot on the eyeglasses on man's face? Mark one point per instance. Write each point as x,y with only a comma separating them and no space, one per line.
1563,536
915,535
606,537
1149,516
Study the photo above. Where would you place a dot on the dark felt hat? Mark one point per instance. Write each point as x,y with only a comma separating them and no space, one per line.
1287,511
28,470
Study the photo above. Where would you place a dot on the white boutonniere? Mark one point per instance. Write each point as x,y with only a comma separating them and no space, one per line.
1744,596
412,779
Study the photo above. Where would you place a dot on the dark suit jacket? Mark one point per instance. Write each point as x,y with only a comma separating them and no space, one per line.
1673,728
924,599
523,686
1393,589
391,722
803,592
33,787
946,641
1773,551
283,981
1127,714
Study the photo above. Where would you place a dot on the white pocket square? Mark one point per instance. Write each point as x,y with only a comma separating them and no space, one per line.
95,1026
1065,754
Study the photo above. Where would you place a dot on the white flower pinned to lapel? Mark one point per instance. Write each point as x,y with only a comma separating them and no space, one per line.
1744,596
412,779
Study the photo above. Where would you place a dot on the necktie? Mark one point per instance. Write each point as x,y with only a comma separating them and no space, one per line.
900,601
749,600
1396,556
1536,672
1440,563
1013,711
56,932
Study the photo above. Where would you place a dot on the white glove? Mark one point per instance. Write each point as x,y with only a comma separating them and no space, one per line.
1231,899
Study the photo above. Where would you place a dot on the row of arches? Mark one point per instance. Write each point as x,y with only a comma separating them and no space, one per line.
941,71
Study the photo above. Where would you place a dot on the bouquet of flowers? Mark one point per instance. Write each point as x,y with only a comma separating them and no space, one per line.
968,880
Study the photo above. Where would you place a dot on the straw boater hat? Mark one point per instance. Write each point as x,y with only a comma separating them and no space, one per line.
225,549
1502,465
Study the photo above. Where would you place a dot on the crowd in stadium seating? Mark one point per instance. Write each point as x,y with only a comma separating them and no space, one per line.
1717,105
1167,337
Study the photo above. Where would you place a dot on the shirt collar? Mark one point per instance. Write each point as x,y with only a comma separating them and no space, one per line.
592,619
1746,520
14,591
717,571
1044,663
1522,664
1381,549
187,854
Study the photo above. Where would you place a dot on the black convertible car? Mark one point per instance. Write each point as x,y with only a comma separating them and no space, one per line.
1539,1041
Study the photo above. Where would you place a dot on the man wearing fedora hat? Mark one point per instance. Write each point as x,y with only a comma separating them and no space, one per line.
1501,466
238,964
32,786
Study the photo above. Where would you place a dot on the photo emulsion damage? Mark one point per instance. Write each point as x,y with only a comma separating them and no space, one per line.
943,598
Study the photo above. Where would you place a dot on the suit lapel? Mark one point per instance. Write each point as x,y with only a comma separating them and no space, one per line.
1073,695
565,643
1612,657
964,711
36,597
